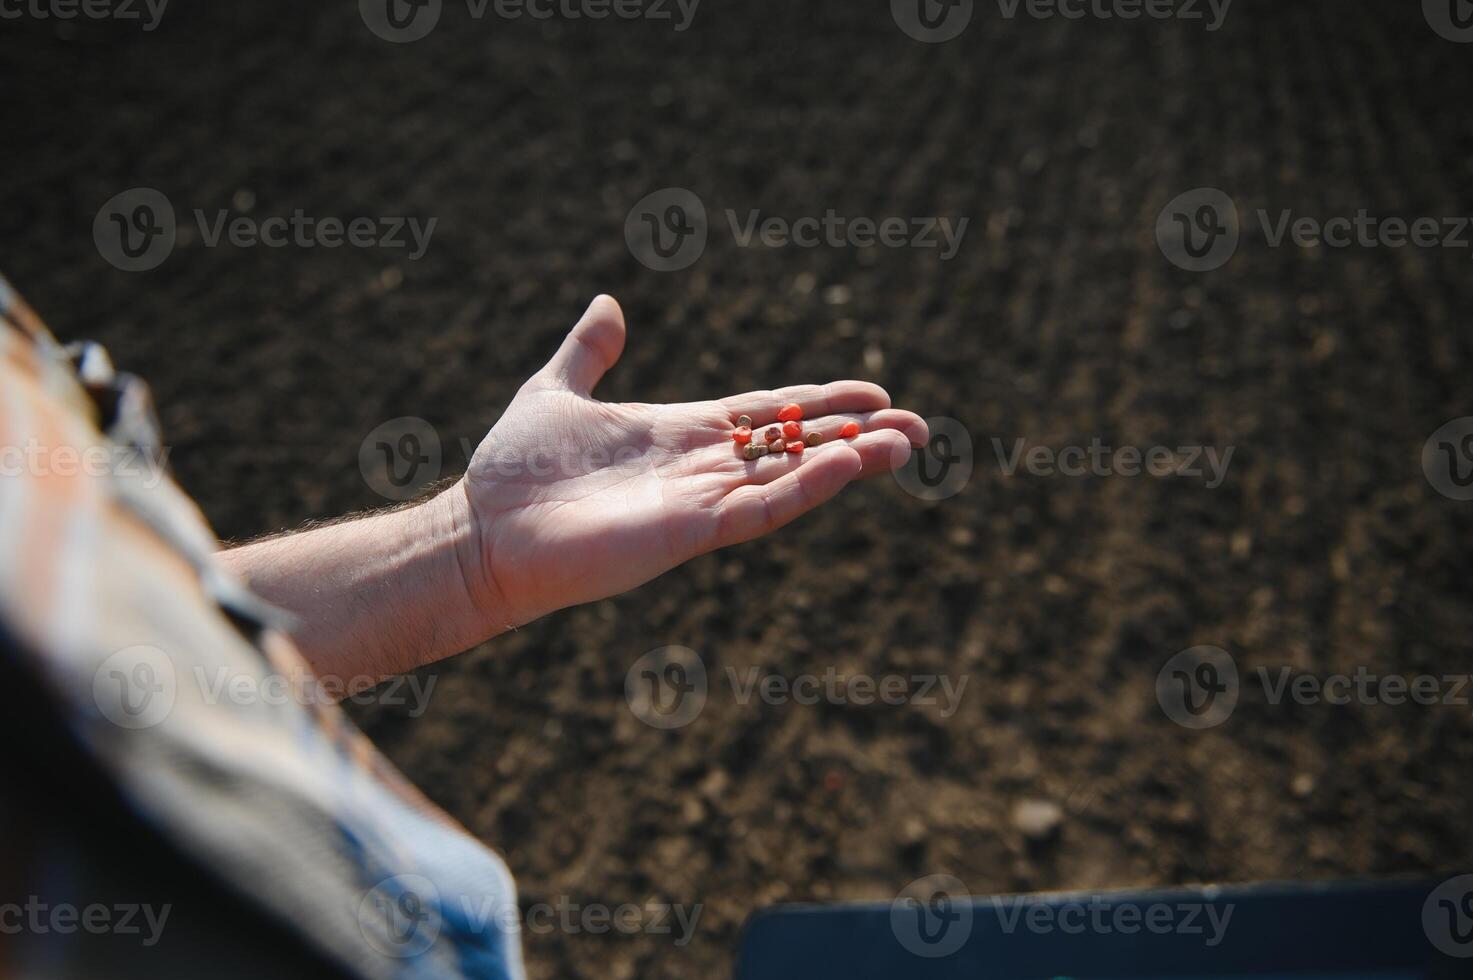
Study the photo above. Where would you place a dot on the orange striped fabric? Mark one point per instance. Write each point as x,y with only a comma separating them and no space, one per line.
110,592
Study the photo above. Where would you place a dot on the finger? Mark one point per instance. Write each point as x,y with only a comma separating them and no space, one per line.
751,511
815,400
880,452
909,424
591,347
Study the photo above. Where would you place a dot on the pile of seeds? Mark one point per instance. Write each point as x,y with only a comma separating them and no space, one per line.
787,437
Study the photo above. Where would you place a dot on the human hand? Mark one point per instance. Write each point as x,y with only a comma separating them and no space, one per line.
569,499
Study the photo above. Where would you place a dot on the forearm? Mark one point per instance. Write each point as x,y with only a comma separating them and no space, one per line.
379,595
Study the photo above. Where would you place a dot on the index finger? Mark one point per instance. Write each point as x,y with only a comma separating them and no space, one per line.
815,400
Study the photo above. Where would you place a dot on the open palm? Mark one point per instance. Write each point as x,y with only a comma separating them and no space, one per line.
573,499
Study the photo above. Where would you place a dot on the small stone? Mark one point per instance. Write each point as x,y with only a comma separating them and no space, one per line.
874,359
1038,819
837,295
814,438
744,420
773,434
754,450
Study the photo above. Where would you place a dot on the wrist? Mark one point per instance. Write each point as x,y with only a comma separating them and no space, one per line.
386,593
472,605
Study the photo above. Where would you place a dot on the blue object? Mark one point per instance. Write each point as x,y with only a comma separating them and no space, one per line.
1363,930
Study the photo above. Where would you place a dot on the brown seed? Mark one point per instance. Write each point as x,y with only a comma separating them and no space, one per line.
754,450
744,420
814,438
773,434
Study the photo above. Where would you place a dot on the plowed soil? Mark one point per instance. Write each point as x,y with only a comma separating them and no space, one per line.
1059,321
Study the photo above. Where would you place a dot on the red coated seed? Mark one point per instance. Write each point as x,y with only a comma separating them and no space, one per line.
850,430
795,446
792,430
790,413
741,435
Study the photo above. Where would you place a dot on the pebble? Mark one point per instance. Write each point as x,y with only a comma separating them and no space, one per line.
774,434
814,438
1038,819
744,420
837,295
754,450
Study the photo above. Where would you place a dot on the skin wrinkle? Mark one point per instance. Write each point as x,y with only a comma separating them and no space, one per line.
481,564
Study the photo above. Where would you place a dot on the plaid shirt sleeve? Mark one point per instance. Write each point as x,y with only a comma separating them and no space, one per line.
110,597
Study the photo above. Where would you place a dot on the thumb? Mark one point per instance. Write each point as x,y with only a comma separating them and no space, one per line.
591,347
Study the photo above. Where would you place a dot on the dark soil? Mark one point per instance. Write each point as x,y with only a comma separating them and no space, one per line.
1059,321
